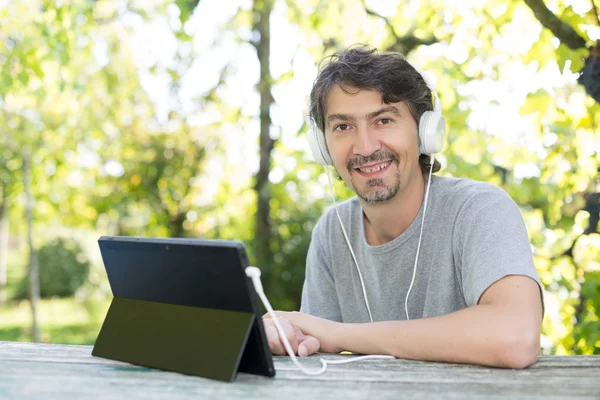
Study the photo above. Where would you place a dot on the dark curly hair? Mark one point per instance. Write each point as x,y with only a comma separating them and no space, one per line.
363,67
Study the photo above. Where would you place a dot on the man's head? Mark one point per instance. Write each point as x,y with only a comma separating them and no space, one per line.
368,106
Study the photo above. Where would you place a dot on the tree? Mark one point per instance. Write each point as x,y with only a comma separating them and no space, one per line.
42,67
23,106
590,74
8,178
261,26
566,25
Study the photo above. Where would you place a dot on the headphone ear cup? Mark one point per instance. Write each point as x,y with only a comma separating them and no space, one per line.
432,130
318,147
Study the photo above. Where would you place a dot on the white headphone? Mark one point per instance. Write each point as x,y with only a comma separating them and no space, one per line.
432,129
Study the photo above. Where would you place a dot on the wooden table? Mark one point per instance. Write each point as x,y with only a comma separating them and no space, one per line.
45,371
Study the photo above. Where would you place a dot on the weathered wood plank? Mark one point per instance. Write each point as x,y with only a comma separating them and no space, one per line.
32,371
50,353
66,380
76,353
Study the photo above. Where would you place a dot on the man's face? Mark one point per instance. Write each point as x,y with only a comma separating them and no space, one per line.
374,146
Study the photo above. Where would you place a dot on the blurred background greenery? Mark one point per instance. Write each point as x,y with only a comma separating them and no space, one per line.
187,118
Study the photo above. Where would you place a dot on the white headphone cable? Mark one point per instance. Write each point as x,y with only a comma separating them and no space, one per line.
254,274
362,283
420,236
418,245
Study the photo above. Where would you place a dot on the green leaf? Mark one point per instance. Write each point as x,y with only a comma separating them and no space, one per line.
186,8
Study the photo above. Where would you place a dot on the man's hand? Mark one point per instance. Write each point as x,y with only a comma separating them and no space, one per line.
306,334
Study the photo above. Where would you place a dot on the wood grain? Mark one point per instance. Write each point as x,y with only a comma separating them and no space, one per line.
44,371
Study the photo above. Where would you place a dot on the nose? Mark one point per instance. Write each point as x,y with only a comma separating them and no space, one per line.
366,142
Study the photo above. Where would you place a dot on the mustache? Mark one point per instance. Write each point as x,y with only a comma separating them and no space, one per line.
378,156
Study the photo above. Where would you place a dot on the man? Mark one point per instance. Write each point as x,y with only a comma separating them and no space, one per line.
476,296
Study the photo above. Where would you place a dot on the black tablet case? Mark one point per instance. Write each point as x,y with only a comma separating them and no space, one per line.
182,305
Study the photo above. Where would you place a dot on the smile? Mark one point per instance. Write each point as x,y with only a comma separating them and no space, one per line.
370,169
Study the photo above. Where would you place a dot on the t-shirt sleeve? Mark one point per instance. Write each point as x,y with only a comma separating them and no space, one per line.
490,243
319,297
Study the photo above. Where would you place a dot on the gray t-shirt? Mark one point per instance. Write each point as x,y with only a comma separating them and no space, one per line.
474,235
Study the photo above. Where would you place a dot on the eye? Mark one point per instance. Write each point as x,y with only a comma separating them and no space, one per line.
341,127
384,121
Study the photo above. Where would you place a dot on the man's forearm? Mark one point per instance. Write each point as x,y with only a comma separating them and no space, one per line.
484,334
503,330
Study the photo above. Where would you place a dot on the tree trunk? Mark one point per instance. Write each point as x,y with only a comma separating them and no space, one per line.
34,272
262,12
4,225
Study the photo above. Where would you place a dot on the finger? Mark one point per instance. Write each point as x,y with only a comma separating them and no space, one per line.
287,326
290,333
273,339
308,345
280,314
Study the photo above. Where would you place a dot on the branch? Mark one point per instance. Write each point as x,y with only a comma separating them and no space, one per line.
566,253
387,21
563,31
592,206
408,43
595,12
403,44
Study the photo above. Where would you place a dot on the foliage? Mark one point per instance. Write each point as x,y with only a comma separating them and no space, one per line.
79,91
65,269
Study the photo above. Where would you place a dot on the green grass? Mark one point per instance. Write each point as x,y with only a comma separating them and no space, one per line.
62,321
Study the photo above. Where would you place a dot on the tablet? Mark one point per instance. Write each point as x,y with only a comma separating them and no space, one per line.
184,305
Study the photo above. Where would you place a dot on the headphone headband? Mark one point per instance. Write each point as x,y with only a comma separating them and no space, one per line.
437,105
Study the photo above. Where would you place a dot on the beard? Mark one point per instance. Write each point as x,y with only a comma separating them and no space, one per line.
375,190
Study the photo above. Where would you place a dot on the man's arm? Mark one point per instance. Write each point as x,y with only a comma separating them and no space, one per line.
502,330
